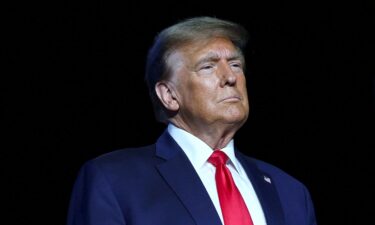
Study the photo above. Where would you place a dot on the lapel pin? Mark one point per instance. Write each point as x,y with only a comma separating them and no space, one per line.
267,179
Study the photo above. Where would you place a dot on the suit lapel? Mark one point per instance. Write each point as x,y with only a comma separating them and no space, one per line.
181,176
265,190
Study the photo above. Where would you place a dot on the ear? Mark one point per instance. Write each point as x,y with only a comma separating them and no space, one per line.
166,95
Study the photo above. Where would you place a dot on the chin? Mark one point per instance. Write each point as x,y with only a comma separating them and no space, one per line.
236,119
237,114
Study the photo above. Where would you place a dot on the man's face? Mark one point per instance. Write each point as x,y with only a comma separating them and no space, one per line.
210,83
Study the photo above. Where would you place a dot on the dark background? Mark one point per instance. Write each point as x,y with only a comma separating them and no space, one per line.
72,88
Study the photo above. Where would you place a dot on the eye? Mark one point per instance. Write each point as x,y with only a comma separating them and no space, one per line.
236,66
206,67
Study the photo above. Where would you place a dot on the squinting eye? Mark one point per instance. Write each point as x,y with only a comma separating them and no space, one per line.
206,67
236,65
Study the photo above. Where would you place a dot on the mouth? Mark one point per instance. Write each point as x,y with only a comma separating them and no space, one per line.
234,98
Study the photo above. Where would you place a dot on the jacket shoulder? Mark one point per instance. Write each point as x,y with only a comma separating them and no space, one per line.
122,160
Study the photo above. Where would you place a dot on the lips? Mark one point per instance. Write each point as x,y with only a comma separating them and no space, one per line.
233,98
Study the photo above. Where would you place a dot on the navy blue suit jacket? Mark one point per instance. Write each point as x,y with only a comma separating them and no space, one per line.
157,185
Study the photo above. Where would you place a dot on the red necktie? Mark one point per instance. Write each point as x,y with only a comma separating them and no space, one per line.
232,205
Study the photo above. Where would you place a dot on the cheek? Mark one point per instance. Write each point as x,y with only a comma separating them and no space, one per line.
202,88
242,84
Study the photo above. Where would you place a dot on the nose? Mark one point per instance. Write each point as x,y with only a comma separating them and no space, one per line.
227,76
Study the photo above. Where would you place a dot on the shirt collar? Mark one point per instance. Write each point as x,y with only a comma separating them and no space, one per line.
197,150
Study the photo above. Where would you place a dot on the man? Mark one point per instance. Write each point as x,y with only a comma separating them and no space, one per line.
192,174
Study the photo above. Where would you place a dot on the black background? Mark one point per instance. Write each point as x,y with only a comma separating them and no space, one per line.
72,88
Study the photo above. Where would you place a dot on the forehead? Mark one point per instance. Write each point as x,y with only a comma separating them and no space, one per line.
195,53
214,48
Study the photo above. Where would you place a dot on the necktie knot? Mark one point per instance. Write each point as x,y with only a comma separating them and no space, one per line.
218,158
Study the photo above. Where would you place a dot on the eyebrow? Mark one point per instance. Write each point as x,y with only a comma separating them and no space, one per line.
212,57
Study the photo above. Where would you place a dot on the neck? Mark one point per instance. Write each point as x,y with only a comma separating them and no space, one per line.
216,137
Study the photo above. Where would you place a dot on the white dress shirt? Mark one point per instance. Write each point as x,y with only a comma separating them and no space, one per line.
198,153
